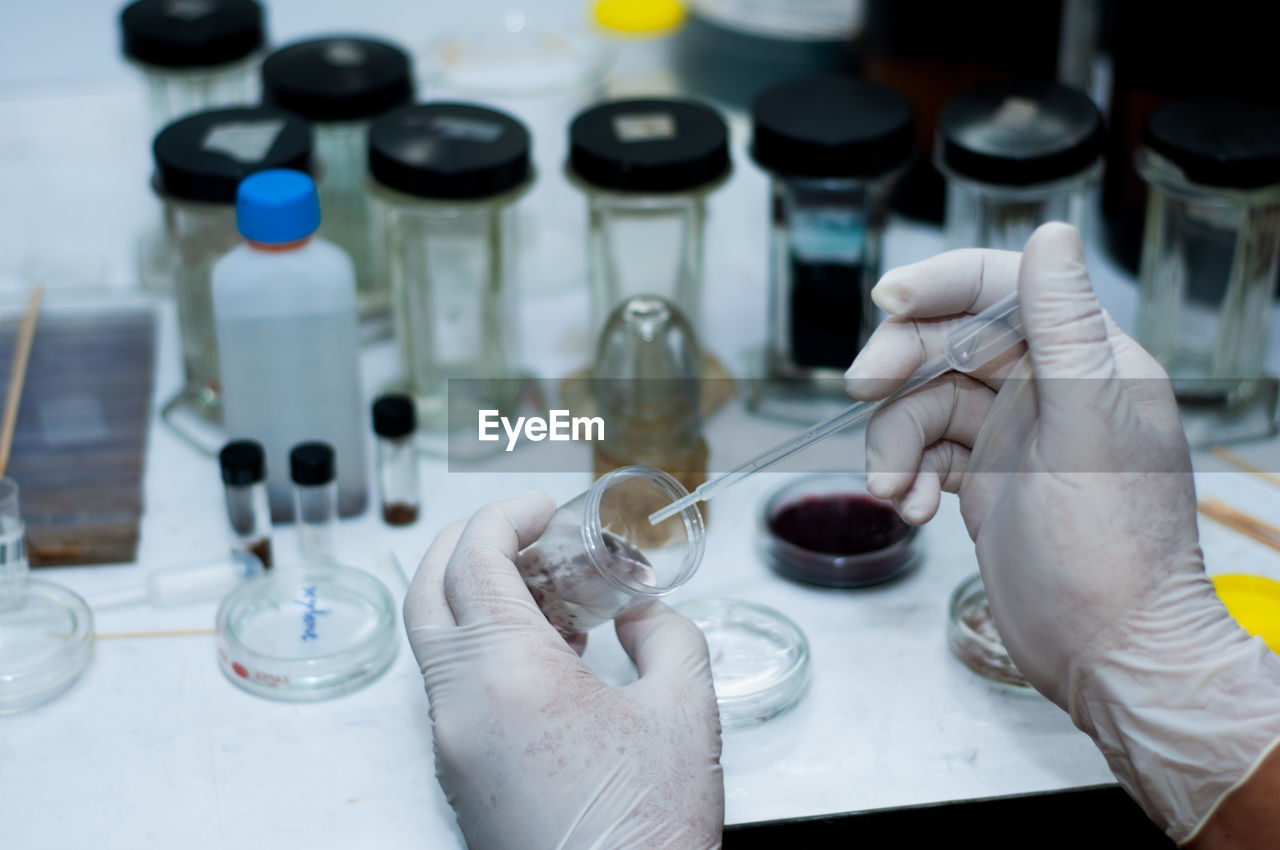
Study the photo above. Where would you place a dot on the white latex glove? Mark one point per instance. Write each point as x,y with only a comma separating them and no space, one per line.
1076,488
532,749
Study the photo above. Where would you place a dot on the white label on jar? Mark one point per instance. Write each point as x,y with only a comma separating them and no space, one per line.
466,129
797,20
345,54
244,141
189,10
646,127
1016,113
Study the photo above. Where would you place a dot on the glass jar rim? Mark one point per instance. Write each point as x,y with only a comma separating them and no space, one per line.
1160,172
593,533
1081,180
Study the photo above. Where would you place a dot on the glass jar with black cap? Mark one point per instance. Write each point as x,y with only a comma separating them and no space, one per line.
647,167
833,147
340,84
1015,155
315,498
1212,246
244,480
394,422
445,177
199,162
195,54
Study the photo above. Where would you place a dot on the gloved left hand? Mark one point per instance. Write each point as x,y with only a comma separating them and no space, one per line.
532,748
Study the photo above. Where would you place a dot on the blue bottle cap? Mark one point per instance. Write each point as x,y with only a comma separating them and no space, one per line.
277,206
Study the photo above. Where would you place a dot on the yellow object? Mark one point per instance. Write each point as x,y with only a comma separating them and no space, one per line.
639,17
1254,601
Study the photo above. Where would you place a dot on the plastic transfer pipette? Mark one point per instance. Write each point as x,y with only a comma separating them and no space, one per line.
973,343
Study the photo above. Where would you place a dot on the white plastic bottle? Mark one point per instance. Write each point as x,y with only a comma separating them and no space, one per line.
284,307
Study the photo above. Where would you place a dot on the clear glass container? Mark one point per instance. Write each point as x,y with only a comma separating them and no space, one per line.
1016,155
645,383
394,421
1211,250
173,94
833,147
46,631
446,224
340,84
647,167
972,635
828,530
199,162
244,483
600,554
759,658
306,633
315,499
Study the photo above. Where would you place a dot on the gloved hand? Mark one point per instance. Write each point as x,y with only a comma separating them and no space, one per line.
532,749
1075,484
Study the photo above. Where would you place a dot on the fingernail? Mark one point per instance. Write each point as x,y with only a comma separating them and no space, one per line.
888,295
878,484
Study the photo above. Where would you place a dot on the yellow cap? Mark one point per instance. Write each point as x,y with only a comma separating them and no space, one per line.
639,17
1254,601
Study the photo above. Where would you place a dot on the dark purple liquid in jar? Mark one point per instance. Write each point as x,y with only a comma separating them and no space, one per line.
839,524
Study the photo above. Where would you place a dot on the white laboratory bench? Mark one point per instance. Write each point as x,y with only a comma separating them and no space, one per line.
153,747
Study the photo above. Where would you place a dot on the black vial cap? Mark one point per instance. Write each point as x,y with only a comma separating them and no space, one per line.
649,145
243,463
1218,142
1019,133
203,157
831,126
449,151
311,464
394,416
191,33
337,79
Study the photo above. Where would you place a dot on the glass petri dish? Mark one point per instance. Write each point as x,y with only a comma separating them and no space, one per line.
308,633
972,635
828,530
759,658
46,641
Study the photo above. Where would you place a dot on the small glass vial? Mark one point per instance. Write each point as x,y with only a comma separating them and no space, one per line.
641,35
195,54
244,480
394,421
645,382
1016,155
600,554
340,84
445,176
315,499
1212,246
833,147
647,167
199,162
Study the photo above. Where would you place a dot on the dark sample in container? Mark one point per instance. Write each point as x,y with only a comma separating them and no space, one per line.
833,147
244,479
1016,155
932,50
827,530
394,421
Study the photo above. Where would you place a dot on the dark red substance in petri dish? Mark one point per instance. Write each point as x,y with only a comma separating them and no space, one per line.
839,524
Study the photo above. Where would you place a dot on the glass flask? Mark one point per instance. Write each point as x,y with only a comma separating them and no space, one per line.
199,162
1211,247
445,177
340,84
647,167
1016,155
600,554
645,382
833,147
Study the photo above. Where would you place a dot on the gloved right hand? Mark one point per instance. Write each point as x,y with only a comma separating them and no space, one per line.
1075,484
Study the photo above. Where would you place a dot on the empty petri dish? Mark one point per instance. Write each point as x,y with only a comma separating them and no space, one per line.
759,658
46,641
972,635
306,633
